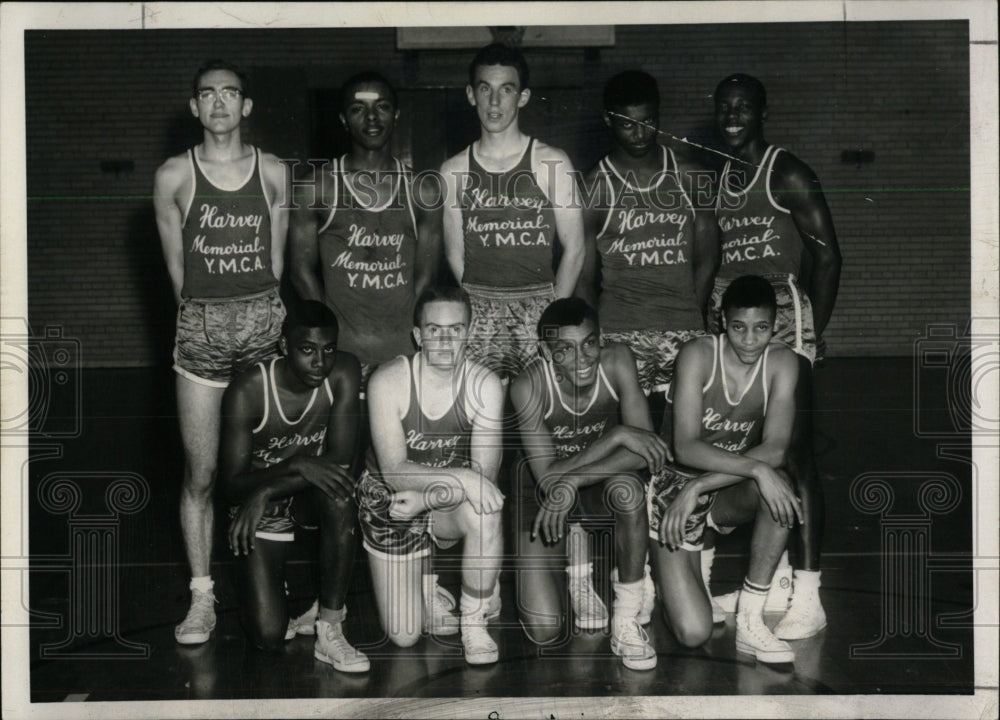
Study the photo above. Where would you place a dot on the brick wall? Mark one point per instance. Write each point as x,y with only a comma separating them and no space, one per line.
899,89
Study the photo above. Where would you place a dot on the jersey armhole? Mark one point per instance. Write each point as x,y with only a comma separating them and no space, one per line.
336,192
767,182
716,351
267,397
723,188
671,161
767,351
194,187
258,158
405,181
605,171
607,383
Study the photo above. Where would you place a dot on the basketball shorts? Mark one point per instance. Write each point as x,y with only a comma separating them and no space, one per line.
218,339
663,488
276,523
793,323
655,352
385,536
504,334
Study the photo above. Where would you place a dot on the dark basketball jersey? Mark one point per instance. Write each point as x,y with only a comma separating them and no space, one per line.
574,430
728,422
368,256
227,236
442,441
758,236
645,248
508,225
278,438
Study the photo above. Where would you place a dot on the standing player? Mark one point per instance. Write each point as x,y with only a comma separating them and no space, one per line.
365,247
508,198
361,244
289,427
432,476
651,240
733,409
568,404
221,220
775,222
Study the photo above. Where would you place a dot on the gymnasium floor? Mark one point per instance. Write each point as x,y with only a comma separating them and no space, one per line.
896,622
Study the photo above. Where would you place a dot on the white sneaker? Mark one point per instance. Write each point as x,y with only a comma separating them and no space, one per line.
589,611
304,624
630,641
726,603
753,638
438,618
805,617
199,622
476,641
332,647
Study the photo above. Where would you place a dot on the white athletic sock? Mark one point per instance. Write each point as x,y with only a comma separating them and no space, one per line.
752,598
202,584
806,580
429,584
579,572
628,598
707,558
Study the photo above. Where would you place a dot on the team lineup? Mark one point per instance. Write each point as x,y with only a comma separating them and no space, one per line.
633,344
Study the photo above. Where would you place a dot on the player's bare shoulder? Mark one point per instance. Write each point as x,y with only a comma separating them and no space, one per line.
483,389
346,369
782,362
275,173
789,174
545,153
245,394
173,176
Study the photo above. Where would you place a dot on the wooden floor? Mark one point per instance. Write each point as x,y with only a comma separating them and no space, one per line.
897,585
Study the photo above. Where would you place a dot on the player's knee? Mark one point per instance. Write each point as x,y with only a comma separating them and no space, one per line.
692,631
404,638
542,634
340,511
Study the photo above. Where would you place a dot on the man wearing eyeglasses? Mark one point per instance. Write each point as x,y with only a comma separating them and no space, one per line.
221,220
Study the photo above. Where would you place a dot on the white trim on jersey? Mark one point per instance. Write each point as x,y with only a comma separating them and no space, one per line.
267,398
767,182
750,382
333,205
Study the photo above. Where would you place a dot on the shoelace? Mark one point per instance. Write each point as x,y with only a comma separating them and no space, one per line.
634,635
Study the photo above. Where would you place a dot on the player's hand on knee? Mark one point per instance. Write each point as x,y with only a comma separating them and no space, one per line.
332,479
550,523
243,527
780,498
647,445
484,496
675,518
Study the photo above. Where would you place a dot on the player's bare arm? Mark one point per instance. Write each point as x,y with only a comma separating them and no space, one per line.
277,182
429,213
595,200
554,172
797,189
452,172
705,247
171,182
303,238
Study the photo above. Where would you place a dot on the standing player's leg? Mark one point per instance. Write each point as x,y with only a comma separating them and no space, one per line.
397,583
263,606
199,412
805,616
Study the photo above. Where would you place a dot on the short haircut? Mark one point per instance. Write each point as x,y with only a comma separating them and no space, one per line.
749,291
368,76
441,293
749,81
309,314
500,54
632,87
564,312
217,64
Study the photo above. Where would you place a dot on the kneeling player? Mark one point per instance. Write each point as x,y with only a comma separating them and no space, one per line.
734,404
289,427
431,474
567,404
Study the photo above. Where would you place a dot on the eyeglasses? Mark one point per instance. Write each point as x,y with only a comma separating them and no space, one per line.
226,94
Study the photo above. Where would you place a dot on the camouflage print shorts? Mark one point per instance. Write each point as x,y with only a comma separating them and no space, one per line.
793,323
663,488
504,334
655,352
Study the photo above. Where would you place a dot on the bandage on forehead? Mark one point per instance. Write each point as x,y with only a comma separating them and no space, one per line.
366,95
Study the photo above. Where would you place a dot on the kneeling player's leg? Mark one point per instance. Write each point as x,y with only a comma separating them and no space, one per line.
540,587
263,606
482,548
807,537
686,606
397,584
338,520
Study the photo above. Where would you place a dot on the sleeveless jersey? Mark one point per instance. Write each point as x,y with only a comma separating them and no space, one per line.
442,441
758,236
508,225
574,430
278,438
733,423
368,256
645,248
227,236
